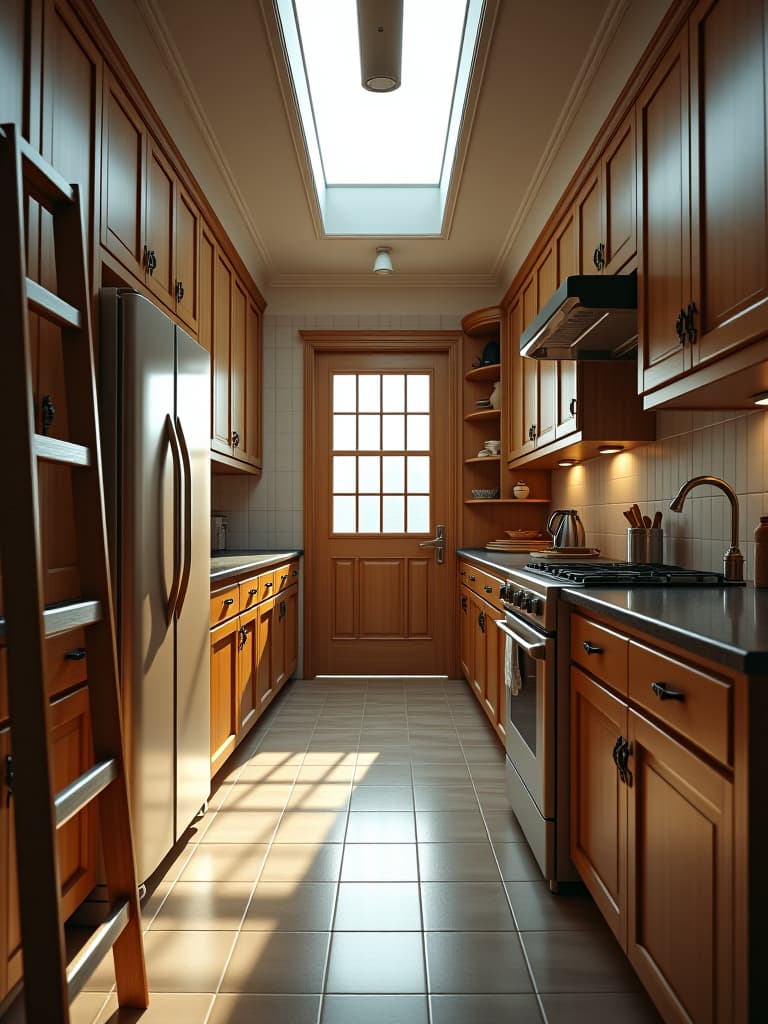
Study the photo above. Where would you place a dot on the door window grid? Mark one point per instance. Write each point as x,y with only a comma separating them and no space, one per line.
386,417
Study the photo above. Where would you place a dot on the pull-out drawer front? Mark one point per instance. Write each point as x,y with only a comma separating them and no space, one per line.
65,661
250,593
224,604
481,583
695,704
600,651
286,576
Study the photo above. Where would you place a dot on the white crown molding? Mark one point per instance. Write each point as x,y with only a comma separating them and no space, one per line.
175,65
609,24
371,280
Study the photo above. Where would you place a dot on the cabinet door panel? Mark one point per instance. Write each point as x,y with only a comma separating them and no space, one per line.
729,169
663,204
465,634
252,385
291,631
159,235
223,284
224,683
546,272
588,224
680,917
479,625
619,198
14,15
187,250
599,798
206,316
565,265
238,369
247,700
122,180
530,372
265,642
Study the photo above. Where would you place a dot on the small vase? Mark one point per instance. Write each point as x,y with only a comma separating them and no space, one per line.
495,397
521,490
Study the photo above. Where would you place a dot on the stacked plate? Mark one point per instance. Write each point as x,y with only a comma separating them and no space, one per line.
535,542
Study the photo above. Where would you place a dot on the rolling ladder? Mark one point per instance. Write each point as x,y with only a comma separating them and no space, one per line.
50,982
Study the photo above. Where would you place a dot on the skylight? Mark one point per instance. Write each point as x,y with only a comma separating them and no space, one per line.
381,162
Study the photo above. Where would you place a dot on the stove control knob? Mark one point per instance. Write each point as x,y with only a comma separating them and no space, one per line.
517,598
538,606
503,592
529,600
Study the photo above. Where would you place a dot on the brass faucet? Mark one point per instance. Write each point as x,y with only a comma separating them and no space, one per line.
733,560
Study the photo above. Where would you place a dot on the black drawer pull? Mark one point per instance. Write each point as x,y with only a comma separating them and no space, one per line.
284,577
471,579
488,590
268,585
591,648
76,654
664,693
462,572
228,601
252,593
294,572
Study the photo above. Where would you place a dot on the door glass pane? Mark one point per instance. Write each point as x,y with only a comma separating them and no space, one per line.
418,513
418,433
344,393
344,433
369,433
344,474
394,514
368,474
394,432
343,514
394,474
369,515
418,392
369,392
393,386
418,474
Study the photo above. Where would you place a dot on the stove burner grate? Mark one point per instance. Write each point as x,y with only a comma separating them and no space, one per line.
626,574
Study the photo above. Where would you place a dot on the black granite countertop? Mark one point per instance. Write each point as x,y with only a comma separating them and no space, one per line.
233,563
727,624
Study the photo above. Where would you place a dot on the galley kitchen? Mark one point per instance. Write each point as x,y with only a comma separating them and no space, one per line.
384,553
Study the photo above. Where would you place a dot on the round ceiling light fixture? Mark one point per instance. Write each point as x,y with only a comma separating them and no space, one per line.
383,262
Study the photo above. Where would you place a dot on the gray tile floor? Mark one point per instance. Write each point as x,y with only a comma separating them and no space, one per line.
359,863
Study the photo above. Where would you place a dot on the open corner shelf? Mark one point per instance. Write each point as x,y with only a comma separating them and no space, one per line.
483,414
483,458
507,501
484,373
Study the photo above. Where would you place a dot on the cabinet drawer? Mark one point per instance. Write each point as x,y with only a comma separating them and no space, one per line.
224,604
66,663
481,583
600,651
701,712
286,576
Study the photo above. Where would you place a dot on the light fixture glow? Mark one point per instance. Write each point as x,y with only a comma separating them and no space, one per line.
380,31
761,398
383,262
611,449
565,463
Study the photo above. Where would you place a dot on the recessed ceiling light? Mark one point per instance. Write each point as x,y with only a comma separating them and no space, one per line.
611,449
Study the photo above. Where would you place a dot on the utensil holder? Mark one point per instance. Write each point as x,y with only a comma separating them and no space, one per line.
645,546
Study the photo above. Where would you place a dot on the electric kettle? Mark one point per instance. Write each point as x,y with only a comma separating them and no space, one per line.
566,529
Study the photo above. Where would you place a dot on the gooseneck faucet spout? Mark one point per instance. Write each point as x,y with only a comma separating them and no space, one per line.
733,560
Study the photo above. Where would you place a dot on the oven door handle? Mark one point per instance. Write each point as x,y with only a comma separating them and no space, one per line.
536,650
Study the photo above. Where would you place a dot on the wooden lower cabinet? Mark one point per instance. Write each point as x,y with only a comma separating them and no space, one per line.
654,845
72,753
253,653
481,647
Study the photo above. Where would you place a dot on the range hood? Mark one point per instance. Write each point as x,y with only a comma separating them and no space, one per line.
588,317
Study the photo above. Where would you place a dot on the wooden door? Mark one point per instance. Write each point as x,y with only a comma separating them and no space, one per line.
382,466
160,230
680,856
663,282
619,213
222,366
123,179
599,798
225,642
729,170
248,705
187,251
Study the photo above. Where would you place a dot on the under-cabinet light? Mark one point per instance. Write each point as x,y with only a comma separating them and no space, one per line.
611,449
761,398
566,463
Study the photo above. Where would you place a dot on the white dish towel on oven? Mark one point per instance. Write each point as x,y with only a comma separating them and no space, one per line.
512,679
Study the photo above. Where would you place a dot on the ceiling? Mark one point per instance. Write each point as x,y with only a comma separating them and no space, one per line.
233,80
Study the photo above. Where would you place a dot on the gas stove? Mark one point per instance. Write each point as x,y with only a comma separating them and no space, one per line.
583,574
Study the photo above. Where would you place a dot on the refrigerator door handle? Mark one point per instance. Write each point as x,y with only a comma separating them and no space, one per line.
173,593
187,495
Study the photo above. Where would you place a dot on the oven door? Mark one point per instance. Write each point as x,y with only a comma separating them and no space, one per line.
529,683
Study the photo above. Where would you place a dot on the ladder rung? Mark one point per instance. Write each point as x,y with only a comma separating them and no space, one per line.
82,966
65,617
51,307
44,183
51,449
74,797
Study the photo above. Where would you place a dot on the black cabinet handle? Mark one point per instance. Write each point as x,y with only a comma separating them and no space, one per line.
252,593
235,439
663,692
294,572
48,412
268,585
572,407
281,611
471,579
462,572
680,326
488,590
690,326
150,260
464,604
284,577
179,291
228,601
76,654
591,648
620,756
481,621
243,636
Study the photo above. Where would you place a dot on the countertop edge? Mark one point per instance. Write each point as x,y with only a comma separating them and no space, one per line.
251,561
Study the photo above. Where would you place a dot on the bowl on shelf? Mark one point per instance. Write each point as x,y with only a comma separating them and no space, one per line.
485,492
493,446
523,534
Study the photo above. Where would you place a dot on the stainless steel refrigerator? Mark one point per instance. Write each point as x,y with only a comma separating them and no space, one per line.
155,414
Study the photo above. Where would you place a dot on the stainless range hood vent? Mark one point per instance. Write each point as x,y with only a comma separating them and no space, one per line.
588,317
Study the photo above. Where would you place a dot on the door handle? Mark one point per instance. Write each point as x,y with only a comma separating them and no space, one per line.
438,543
187,493
173,593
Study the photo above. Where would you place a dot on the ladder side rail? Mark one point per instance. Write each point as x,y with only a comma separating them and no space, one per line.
104,693
37,863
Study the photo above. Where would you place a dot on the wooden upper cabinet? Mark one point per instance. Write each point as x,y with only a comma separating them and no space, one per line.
188,256
702,169
589,225
206,327
223,289
545,419
160,223
252,392
123,184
